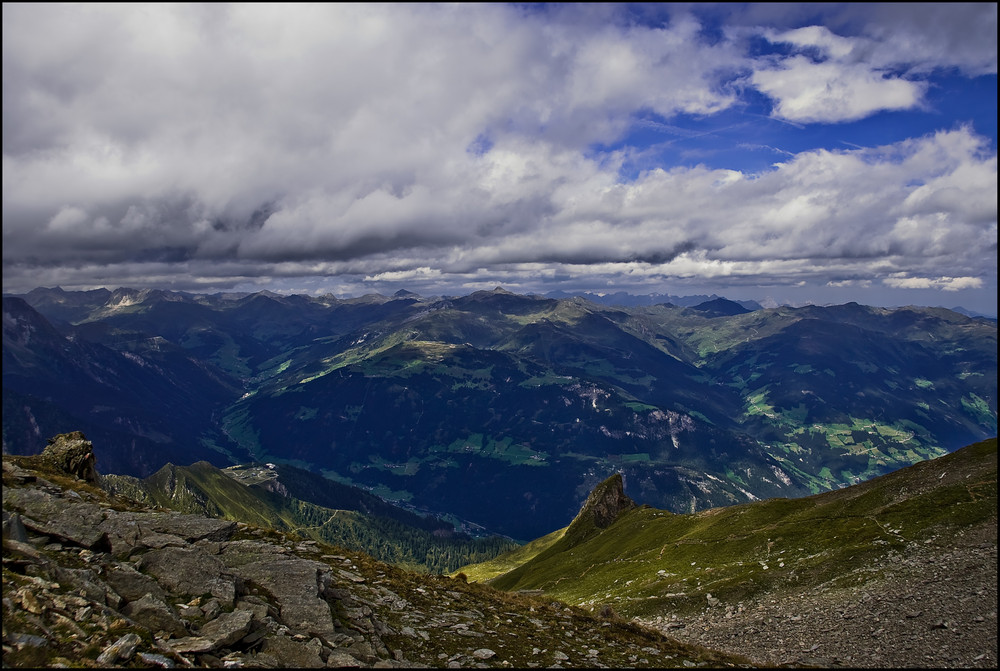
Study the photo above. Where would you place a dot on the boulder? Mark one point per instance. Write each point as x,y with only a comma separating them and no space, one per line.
66,520
228,628
189,571
297,586
13,528
155,615
120,651
72,454
130,584
293,654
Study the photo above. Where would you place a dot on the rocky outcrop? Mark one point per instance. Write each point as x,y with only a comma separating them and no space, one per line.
606,503
73,454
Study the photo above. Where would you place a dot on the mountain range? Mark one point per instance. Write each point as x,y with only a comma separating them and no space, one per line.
500,410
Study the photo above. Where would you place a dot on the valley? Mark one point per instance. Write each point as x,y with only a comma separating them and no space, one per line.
430,402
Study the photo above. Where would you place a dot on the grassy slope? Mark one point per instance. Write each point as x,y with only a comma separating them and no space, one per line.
650,560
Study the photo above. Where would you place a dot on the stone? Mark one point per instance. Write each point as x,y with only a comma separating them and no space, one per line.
130,584
64,520
73,454
190,571
228,628
157,540
120,651
191,528
296,585
192,645
211,609
483,653
13,528
293,654
152,659
155,615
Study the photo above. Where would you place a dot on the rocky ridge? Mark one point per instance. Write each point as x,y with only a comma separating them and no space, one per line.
94,580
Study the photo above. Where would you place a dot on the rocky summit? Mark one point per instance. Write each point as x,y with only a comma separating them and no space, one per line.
94,580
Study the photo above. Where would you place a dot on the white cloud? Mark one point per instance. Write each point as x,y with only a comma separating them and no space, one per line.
943,283
807,91
839,81
228,142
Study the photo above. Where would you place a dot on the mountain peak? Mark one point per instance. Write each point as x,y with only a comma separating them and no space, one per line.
605,504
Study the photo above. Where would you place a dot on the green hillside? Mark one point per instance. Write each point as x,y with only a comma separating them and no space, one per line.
650,561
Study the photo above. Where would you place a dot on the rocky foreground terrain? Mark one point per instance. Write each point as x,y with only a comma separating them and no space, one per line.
934,606
91,580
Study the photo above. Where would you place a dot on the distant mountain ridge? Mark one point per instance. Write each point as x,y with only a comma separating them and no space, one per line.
626,299
499,408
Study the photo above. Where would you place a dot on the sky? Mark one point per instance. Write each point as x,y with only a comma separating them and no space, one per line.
785,153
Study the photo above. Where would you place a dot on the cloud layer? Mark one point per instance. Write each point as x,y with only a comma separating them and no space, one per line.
214,145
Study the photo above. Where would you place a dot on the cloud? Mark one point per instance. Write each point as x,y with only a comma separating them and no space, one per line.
834,83
211,145
943,283
807,91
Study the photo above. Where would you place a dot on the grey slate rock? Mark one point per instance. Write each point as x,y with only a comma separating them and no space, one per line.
228,628
296,585
13,528
293,654
120,651
130,584
187,571
155,615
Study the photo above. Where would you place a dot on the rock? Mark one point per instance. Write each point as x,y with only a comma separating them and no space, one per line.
153,659
64,520
560,656
130,584
192,645
296,585
340,659
211,609
353,577
25,641
363,651
605,503
155,615
190,571
228,628
191,528
13,528
293,654
72,454
157,540
120,651
483,653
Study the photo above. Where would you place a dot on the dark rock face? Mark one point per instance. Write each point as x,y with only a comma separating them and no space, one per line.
72,453
606,503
